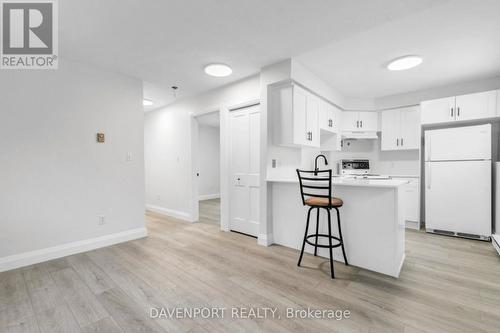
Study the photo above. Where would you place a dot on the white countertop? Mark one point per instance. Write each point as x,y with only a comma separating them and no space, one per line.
341,181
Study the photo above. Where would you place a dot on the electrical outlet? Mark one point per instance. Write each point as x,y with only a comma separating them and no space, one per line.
102,220
129,156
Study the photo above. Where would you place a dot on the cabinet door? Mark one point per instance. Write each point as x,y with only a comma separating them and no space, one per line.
412,199
438,110
312,121
368,121
410,128
300,135
476,106
350,121
325,116
391,129
336,117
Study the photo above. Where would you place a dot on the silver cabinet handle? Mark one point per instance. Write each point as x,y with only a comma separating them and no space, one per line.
402,142
458,112
361,123
452,112
309,136
397,142
357,124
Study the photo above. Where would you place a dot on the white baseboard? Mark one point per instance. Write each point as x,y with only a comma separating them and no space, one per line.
398,271
208,196
54,252
170,212
415,225
495,240
265,239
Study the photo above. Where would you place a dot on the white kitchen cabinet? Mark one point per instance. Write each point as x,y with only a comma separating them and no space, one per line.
329,117
359,121
438,110
368,121
460,108
296,116
391,129
476,106
350,121
312,137
400,129
411,197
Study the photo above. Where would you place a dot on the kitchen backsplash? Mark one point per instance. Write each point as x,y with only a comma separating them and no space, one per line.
286,160
405,162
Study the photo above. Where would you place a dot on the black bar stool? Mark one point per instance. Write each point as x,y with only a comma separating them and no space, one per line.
316,192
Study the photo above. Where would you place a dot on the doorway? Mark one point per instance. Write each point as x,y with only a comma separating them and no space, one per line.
208,167
244,169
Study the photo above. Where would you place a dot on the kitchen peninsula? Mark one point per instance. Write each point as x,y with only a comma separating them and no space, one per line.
373,225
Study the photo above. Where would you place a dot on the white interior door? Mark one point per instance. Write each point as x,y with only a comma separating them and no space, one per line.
245,170
458,196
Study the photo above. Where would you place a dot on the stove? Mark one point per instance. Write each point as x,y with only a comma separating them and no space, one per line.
354,167
357,169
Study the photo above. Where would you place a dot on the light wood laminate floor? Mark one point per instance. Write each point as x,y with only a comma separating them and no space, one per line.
210,211
446,285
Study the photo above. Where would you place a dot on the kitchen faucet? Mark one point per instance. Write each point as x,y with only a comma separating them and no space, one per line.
316,163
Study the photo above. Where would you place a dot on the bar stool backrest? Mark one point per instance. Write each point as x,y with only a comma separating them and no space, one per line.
315,184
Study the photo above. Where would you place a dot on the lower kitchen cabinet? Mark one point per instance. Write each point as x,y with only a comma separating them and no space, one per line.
411,197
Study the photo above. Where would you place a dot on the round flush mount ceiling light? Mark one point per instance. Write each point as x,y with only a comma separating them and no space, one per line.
147,102
403,63
218,70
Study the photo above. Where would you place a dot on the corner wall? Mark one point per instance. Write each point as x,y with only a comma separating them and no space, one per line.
56,179
167,135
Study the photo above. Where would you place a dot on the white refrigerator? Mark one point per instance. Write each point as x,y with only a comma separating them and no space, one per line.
458,181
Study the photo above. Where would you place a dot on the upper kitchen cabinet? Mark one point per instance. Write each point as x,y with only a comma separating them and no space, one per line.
400,129
459,108
359,121
296,115
329,117
438,110
476,106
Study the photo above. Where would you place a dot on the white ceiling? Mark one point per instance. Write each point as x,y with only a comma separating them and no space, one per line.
459,41
210,119
167,42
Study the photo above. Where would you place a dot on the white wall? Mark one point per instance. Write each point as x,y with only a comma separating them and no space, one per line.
167,135
209,161
56,180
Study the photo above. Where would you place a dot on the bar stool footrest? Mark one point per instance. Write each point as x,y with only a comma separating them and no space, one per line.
339,242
